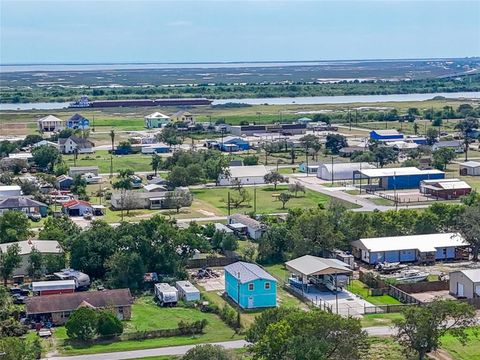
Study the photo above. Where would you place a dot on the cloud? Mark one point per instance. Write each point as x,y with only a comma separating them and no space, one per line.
180,23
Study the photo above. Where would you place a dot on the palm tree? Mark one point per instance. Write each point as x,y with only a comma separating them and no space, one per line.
156,163
112,137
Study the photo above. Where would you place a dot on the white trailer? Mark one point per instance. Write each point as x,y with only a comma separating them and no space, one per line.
166,294
186,291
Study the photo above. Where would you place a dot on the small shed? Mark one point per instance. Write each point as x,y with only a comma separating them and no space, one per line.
186,291
465,283
470,168
447,189
310,168
64,182
53,287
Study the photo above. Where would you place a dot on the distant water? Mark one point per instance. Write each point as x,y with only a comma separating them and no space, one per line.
308,100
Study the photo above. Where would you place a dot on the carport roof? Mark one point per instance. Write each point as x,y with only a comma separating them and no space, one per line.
313,265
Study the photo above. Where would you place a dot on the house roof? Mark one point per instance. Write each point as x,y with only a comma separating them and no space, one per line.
472,274
63,178
246,220
43,246
471,164
423,243
248,272
447,184
153,187
19,202
313,265
49,118
246,171
70,302
402,171
187,287
83,142
181,113
386,132
449,143
75,202
77,117
10,188
158,115
348,166
53,285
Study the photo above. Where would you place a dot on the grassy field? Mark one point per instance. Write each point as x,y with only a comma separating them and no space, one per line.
266,202
146,315
359,288
471,351
370,320
101,158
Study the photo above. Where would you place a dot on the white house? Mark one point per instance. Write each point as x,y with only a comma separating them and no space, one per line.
465,283
341,171
26,247
456,145
156,120
50,123
243,223
248,175
76,144
10,191
471,168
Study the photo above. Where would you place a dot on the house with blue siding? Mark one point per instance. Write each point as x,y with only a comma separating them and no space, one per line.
397,178
250,286
426,248
233,143
386,135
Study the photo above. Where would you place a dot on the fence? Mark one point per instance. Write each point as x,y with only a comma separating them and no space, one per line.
385,309
210,262
318,303
424,286
402,296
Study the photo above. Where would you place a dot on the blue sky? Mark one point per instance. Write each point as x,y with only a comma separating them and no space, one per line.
195,31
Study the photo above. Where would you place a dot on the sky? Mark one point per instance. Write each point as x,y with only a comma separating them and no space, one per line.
86,31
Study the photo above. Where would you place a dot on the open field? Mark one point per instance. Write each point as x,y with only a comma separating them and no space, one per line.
266,202
101,158
471,351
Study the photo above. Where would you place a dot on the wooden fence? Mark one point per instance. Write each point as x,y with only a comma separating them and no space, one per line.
211,262
402,296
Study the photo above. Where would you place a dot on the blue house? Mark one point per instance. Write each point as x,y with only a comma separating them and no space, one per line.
64,182
385,135
77,121
233,143
249,286
398,178
411,248
311,168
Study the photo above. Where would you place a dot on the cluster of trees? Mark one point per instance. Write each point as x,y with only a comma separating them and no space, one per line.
315,231
85,323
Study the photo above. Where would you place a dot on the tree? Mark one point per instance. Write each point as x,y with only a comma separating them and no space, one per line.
422,327
310,141
271,148
432,136
208,352
29,187
58,228
108,324
237,200
53,262
250,160
437,122
46,156
112,139
335,142
275,178
385,155
297,334
156,163
31,139
178,198
442,157
179,176
321,117
124,183
169,136
82,324
35,264
284,198
274,244
15,348
7,147
415,128
296,187
9,261
14,226
466,127
216,166
469,227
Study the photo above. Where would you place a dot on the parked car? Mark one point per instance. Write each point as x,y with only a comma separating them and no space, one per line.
34,217
44,332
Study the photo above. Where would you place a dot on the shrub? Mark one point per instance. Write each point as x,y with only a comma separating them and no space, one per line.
108,324
82,324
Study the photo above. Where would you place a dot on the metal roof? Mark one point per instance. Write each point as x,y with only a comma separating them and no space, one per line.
387,132
187,287
422,243
248,272
53,285
402,171
313,265
246,220
246,171
471,164
43,246
472,274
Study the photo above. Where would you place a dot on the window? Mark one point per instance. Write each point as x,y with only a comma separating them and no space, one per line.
267,286
444,251
250,287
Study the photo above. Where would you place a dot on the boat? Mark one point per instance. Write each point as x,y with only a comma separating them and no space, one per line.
411,276
82,103
390,267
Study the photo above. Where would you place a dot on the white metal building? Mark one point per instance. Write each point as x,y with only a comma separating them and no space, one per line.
341,171
248,175
471,168
465,283
10,191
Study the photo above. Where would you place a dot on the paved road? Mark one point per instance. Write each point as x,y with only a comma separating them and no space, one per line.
180,350
135,354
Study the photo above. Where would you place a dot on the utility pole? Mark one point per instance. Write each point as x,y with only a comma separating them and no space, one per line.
254,198
238,301
349,119
332,170
228,203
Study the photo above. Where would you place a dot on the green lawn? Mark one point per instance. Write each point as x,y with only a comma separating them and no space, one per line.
384,348
266,202
146,315
381,201
359,288
471,351
380,319
101,158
